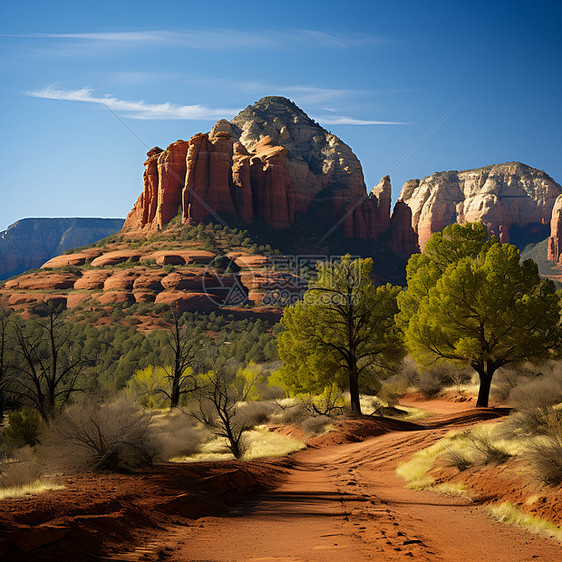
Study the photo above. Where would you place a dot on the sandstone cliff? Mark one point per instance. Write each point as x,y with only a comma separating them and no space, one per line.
502,196
28,243
269,164
554,251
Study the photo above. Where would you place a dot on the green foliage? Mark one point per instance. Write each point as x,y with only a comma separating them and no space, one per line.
472,302
117,351
342,332
150,386
24,427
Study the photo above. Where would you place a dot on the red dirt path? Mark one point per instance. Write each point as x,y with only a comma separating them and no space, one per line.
345,503
331,502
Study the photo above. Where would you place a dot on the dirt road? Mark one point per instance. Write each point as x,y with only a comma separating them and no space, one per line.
346,503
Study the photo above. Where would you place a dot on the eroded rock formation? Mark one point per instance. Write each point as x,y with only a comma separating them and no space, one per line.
501,196
269,164
554,251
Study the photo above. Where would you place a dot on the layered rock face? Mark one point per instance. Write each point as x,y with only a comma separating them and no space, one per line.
28,243
269,164
554,252
501,196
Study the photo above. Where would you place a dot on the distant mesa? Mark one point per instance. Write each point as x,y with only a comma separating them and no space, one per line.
28,243
505,197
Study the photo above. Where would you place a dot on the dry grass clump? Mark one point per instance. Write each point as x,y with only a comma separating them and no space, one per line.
262,443
458,459
508,513
544,455
19,469
251,414
474,447
21,475
485,448
316,425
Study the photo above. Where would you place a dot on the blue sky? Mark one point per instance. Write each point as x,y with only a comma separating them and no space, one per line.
169,70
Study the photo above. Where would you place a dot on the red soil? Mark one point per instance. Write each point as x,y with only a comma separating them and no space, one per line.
329,502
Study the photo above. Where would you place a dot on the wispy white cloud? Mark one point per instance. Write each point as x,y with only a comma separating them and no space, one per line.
135,109
342,120
139,109
217,39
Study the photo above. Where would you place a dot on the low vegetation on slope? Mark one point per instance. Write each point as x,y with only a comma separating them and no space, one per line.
514,464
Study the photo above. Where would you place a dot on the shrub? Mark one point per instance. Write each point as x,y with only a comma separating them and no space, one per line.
24,428
176,435
430,382
316,425
506,379
19,470
251,414
90,435
545,457
330,402
294,413
540,391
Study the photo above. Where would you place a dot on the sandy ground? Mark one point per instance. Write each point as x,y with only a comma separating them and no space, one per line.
345,502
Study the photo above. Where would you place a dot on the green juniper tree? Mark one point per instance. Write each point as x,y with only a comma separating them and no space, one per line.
471,301
342,331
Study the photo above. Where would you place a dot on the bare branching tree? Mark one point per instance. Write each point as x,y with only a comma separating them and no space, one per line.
45,370
184,350
4,361
216,405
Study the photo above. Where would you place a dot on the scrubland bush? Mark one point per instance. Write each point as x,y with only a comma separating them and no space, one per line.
429,381
20,469
330,403
291,412
24,427
432,381
256,413
90,435
543,390
316,425
545,457
175,435
507,378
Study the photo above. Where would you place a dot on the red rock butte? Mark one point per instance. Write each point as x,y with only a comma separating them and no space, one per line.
269,164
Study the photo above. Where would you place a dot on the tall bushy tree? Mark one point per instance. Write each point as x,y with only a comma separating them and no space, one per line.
470,301
343,330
